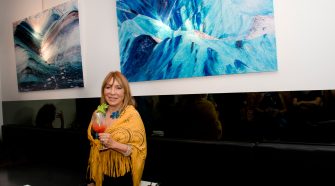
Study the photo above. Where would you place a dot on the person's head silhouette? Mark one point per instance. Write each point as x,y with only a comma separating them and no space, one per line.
45,116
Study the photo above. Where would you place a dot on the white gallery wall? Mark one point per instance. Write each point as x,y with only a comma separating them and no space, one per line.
2,49
305,50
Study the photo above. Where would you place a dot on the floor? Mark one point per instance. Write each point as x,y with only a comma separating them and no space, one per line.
39,174
26,172
21,171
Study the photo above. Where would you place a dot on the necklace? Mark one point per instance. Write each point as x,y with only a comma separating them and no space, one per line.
115,115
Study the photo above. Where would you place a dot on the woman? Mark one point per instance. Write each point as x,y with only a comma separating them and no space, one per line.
121,162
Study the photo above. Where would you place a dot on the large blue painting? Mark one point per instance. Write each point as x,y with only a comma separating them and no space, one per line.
48,51
167,39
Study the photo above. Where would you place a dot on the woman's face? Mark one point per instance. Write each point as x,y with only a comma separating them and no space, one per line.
114,93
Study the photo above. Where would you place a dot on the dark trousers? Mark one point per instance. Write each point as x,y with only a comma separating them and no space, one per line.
125,180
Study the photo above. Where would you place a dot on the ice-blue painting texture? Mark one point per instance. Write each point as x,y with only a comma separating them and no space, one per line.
47,49
168,39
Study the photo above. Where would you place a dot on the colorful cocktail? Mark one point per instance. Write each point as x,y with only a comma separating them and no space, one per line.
98,124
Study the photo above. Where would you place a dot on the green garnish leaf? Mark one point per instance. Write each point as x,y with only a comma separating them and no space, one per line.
102,108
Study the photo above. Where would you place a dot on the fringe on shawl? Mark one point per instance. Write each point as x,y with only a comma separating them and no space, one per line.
108,163
95,172
138,166
115,164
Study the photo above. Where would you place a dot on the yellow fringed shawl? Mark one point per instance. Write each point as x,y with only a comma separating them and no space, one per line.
127,129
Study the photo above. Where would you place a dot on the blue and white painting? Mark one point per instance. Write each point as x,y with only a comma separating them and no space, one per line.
168,39
48,51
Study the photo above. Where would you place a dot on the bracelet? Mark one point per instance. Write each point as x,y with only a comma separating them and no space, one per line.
128,152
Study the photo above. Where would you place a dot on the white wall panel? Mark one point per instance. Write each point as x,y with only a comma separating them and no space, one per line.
304,31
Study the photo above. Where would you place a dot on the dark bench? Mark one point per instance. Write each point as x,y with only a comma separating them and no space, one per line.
41,144
191,162
186,162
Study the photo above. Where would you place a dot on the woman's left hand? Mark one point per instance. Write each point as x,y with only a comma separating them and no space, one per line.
105,139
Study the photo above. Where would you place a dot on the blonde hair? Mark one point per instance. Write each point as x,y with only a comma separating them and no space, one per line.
120,78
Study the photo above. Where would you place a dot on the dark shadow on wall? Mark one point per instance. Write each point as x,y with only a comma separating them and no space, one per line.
256,116
250,117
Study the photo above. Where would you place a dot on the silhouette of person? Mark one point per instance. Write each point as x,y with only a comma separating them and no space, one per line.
329,104
272,114
46,115
199,118
307,106
249,105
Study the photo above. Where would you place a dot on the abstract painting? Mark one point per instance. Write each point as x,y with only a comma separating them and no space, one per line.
47,49
170,39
